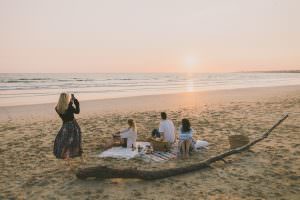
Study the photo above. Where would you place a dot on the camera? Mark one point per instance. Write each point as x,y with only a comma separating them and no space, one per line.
72,97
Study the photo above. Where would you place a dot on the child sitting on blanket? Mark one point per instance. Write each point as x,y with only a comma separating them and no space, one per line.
129,135
185,138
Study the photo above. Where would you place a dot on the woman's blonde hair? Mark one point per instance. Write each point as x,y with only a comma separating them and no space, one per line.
132,124
63,103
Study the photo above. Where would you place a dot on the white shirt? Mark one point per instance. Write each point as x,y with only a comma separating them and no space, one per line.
167,128
131,136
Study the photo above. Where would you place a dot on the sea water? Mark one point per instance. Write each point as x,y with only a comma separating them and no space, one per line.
22,89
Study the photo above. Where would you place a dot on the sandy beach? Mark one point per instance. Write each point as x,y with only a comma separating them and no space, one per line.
271,170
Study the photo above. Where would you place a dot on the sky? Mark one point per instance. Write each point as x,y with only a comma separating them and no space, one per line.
110,36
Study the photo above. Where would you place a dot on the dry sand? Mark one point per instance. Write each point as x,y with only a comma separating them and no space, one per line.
271,170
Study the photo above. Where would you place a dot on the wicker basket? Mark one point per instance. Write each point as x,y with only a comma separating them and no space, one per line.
236,141
159,145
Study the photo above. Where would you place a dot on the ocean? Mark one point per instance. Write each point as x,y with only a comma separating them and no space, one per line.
24,89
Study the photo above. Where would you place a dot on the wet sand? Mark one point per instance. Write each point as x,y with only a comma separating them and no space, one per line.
271,170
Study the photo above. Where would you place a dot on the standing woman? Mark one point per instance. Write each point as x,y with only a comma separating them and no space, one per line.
67,143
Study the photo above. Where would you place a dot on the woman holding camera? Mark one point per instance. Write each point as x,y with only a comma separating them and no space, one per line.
67,143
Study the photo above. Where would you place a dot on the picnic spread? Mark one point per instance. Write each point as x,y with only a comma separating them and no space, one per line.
146,152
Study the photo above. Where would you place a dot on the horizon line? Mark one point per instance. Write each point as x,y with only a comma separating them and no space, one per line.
246,71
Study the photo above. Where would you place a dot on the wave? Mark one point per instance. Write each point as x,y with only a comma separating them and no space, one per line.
13,86
24,80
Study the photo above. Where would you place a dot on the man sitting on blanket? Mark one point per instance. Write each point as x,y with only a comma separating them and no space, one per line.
166,129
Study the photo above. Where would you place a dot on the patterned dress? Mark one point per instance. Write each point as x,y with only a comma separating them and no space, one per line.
68,140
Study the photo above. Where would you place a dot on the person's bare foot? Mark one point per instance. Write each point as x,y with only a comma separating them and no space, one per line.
72,169
67,161
82,160
69,164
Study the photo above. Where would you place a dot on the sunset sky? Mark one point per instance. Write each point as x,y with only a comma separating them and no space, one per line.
149,35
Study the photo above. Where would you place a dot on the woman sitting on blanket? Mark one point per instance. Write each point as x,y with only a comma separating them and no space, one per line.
185,138
128,135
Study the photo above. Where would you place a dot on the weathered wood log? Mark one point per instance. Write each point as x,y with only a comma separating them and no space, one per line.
104,172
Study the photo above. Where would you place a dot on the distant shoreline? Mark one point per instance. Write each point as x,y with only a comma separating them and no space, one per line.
263,71
153,95
20,89
271,71
149,102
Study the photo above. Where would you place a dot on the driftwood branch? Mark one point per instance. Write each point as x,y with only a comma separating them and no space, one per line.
104,172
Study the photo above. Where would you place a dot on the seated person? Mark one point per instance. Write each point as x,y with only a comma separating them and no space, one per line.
129,135
185,138
166,129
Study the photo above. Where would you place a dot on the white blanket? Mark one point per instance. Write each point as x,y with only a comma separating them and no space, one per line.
128,153
201,144
121,152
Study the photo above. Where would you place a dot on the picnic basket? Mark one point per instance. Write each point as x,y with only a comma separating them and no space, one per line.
159,145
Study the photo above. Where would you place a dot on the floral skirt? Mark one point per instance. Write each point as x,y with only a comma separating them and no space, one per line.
68,141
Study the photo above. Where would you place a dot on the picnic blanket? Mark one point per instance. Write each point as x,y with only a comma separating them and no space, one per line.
121,152
157,156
